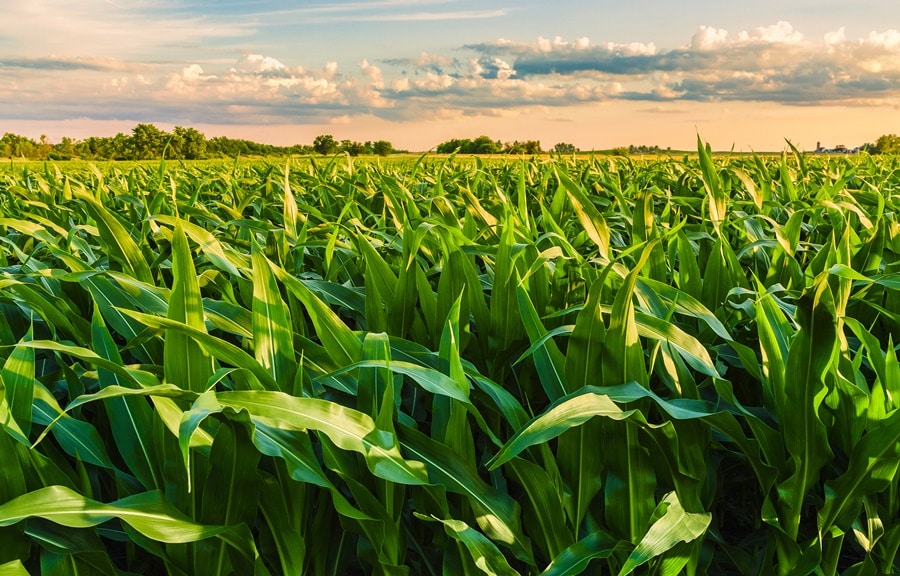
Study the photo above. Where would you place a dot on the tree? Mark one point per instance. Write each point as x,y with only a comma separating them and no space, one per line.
45,148
120,147
382,147
455,145
15,146
188,143
325,144
147,142
527,147
480,145
353,148
484,145
565,148
887,144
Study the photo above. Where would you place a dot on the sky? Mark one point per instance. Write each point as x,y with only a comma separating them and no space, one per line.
744,75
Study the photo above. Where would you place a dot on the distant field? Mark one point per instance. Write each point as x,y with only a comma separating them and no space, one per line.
683,363
7,164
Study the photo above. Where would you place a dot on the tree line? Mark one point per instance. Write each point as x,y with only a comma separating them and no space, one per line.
147,142
487,145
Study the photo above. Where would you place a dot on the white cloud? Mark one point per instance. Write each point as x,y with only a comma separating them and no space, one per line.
504,70
771,63
373,73
709,38
257,63
835,37
781,32
889,39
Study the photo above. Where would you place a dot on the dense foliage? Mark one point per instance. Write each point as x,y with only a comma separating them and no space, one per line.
486,145
146,141
448,366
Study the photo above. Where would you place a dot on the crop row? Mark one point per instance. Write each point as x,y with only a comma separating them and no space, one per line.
451,366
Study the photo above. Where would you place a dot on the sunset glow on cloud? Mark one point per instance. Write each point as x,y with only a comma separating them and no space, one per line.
245,68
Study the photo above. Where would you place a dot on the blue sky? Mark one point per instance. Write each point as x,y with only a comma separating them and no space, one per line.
598,74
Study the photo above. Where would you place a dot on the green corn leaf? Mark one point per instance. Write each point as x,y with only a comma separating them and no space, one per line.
694,353
13,568
548,359
542,509
17,377
131,418
580,466
272,337
485,554
623,360
224,351
872,467
230,261
588,216
296,449
77,438
575,559
672,525
148,513
340,343
716,197
428,378
117,239
230,495
810,358
278,508
186,363
496,511
346,428
290,205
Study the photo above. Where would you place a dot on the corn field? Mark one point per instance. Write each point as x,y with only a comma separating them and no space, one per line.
451,366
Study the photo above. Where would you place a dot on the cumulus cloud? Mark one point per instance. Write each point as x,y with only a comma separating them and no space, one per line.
774,63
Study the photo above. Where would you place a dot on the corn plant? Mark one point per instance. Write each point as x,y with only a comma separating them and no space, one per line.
451,366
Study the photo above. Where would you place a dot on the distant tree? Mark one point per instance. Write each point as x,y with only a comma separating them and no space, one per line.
65,150
643,149
16,146
484,145
89,148
66,147
147,142
119,147
382,147
527,147
325,144
45,148
620,151
188,143
454,145
480,145
353,148
565,148
887,144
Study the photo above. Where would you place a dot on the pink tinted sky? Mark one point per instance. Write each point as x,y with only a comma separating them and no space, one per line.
417,72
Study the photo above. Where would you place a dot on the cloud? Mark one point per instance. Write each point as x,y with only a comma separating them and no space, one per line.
771,63
774,63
